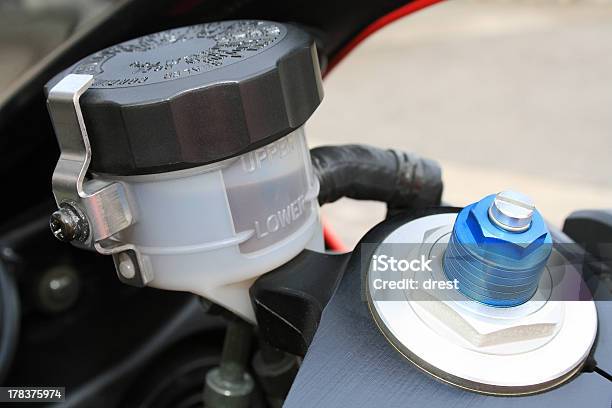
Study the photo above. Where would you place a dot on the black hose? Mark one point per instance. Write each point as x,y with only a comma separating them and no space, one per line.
9,320
400,179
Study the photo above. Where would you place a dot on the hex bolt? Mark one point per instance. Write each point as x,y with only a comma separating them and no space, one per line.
512,211
127,269
69,224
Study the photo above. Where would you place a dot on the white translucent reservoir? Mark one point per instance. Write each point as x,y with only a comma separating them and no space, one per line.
212,230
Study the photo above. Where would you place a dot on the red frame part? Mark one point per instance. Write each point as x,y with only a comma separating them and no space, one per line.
332,241
396,14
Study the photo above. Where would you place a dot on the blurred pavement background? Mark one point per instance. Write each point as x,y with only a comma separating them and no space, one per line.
504,94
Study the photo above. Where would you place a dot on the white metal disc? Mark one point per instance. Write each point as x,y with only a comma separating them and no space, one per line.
517,368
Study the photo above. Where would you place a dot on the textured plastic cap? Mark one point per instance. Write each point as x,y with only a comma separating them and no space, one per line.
195,95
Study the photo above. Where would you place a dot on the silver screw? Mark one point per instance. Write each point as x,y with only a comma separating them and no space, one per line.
512,211
69,224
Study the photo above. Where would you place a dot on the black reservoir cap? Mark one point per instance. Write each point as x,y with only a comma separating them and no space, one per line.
195,95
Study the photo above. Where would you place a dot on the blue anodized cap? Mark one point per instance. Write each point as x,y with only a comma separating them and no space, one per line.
498,249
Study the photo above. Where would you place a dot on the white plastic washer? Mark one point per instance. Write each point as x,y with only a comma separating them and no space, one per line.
480,370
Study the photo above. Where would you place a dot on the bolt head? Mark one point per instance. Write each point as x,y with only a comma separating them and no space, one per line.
63,225
68,224
512,211
483,234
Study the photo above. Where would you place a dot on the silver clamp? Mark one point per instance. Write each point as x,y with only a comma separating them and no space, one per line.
91,211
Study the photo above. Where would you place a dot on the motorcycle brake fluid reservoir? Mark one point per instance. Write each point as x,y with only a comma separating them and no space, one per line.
183,155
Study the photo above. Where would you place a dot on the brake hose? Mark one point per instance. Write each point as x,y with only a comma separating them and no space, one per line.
402,180
9,320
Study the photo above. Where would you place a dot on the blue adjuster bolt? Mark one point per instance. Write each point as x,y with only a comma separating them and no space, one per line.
498,249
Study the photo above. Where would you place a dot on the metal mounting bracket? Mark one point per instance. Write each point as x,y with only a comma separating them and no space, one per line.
91,211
